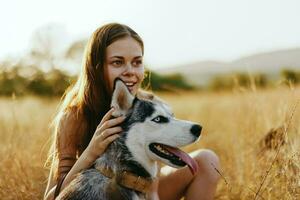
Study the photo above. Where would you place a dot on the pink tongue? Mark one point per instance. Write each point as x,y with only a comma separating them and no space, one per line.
185,157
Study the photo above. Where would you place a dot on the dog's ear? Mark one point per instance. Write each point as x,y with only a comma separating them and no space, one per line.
144,95
122,99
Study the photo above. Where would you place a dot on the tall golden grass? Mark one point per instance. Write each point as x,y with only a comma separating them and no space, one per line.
235,124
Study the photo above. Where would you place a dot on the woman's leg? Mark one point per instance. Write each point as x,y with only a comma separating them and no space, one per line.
174,184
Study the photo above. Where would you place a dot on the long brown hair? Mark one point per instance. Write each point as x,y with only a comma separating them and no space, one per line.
90,97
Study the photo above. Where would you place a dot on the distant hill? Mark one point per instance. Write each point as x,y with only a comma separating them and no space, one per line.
269,63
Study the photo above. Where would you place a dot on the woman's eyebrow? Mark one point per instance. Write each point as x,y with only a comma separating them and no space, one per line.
120,57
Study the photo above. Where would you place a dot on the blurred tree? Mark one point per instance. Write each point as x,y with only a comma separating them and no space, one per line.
11,82
223,82
59,81
169,82
290,76
38,85
46,48
74,54
75,50
241,80
238,80
261,80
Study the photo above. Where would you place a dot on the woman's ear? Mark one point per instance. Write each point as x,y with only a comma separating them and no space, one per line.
122,99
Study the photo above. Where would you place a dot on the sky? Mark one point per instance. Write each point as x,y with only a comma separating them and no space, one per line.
174,31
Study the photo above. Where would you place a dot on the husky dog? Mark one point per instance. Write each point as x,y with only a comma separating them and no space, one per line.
150,134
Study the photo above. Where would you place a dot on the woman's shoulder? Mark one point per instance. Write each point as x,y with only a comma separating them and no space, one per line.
71,124
71,116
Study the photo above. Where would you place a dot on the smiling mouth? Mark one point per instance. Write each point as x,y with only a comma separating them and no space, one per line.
174,156
130,85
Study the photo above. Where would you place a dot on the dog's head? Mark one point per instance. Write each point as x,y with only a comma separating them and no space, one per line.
152,133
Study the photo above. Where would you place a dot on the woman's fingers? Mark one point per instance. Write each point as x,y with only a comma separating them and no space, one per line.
110,131
99,144
112,122
106,120
106,132
108,124
107,116
109,139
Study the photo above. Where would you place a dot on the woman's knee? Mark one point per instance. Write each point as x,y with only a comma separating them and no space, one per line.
209,164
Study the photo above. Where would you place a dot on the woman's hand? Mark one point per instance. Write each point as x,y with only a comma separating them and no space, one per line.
153,194
106,132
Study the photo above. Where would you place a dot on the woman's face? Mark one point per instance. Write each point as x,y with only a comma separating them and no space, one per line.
124,59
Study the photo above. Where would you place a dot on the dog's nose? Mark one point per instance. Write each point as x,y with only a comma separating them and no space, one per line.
196,130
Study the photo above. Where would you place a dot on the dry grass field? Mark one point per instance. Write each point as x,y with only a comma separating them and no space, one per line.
236,126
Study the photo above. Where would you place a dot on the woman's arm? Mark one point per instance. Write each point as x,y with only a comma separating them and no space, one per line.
83,162
105,133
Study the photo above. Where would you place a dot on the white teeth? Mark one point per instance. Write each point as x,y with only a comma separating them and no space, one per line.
129,84
159,148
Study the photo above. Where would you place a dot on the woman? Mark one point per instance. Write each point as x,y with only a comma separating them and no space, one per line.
114,50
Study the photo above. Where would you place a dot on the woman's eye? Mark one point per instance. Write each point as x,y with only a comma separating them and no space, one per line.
137,63
117,62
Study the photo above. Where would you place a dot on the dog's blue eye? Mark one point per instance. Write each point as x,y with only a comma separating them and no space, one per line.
156,119
160,119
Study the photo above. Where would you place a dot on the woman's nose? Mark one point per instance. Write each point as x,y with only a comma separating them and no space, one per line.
128,69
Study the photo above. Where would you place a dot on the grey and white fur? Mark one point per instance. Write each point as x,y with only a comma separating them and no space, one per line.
147,122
